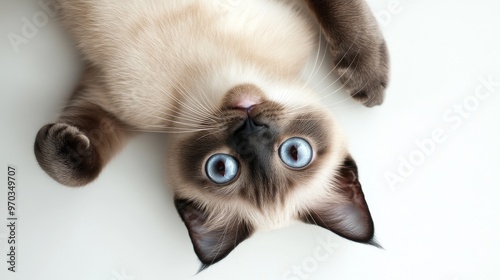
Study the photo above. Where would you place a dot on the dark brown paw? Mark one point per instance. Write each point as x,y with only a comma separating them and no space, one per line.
66,154
370,95
365,74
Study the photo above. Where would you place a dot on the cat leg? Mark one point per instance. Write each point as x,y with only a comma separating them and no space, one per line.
357,45
74,149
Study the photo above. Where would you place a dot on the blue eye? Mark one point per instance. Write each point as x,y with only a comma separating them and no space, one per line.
221,168
296,153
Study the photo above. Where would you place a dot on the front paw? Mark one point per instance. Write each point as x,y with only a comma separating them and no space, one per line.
365,74
66,154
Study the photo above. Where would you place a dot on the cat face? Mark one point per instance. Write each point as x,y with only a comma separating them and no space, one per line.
262,164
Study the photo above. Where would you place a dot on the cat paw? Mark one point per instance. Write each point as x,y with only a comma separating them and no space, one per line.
66,154
366,75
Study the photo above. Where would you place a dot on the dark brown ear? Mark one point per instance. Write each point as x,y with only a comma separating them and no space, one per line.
211,243
349,218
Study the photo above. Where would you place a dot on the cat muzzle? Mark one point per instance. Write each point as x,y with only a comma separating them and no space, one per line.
253,139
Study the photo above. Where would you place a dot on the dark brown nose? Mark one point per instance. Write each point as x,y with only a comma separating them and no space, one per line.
250,127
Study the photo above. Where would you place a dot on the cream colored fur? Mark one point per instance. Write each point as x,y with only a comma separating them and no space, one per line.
141,47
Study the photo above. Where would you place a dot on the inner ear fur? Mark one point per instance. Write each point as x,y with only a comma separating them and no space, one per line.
211,242
347,216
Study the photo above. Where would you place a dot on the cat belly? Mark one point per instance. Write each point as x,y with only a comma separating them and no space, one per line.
148,51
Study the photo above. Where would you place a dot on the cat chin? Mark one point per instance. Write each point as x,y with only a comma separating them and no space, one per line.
246,102
243,96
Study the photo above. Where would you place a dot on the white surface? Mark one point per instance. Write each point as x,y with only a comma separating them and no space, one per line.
441,223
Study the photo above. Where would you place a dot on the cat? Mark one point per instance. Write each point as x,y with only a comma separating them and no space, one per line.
250,146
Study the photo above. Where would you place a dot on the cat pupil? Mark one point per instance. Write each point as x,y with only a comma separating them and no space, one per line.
221,168
294,152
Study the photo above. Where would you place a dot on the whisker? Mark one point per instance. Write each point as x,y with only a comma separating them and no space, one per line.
168,131
206,135
173,115
316,61
338,63
325,96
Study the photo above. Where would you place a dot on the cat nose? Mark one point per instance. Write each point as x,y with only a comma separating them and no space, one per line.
250,127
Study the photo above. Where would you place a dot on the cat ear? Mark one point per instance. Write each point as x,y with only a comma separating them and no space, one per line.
347,216
211,242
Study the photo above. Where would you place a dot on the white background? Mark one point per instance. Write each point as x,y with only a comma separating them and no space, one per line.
442,222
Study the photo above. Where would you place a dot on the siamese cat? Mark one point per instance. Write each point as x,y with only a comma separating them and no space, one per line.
250,146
